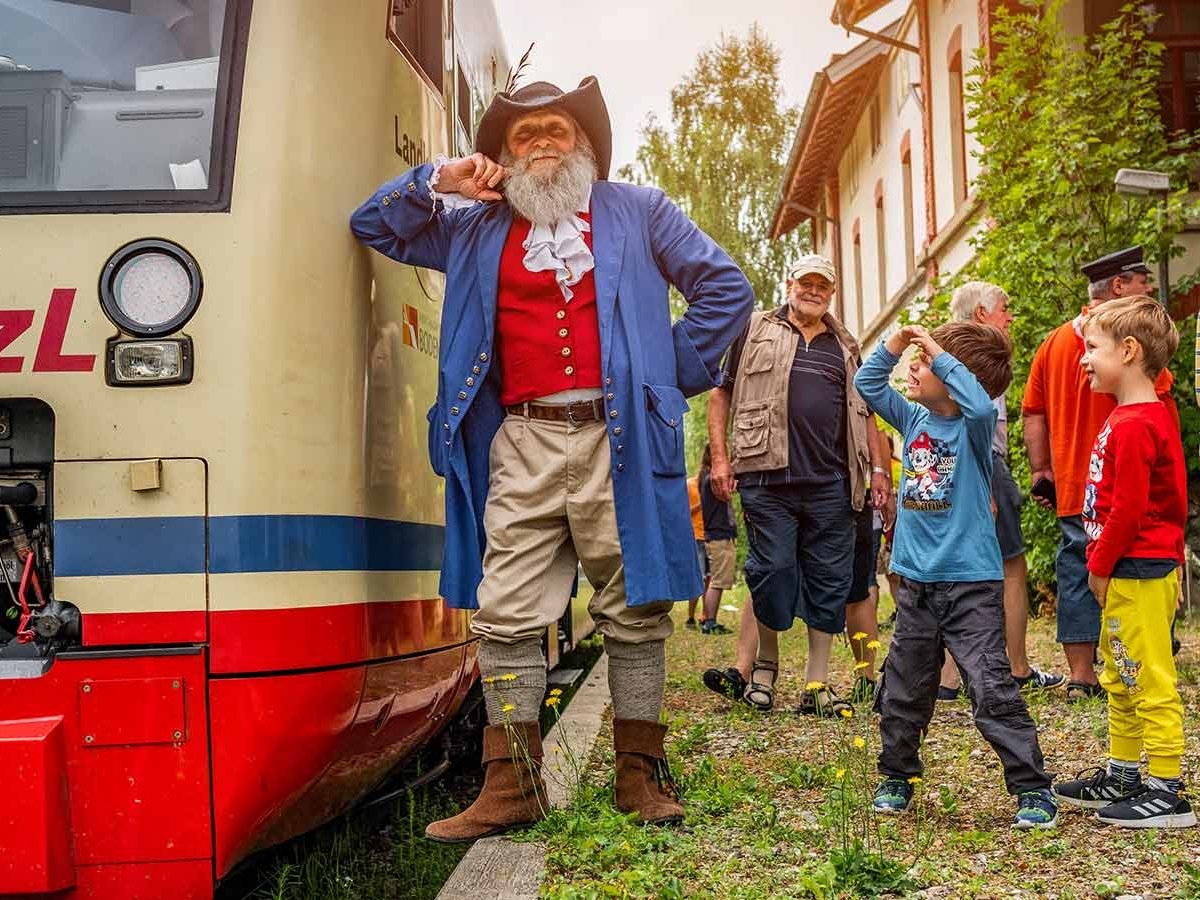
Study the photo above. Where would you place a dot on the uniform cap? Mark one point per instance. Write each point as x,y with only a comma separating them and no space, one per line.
1128,260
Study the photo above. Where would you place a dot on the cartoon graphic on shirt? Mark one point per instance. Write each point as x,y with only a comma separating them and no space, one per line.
1095,476
929,477
1127,668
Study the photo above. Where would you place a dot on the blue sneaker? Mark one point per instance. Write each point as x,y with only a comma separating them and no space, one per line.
893,796
1036,809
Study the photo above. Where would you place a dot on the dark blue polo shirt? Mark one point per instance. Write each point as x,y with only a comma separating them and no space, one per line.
816,410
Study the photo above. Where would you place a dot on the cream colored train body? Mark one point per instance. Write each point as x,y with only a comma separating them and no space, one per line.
253,553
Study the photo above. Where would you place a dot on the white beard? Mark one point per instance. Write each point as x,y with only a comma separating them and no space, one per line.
545,199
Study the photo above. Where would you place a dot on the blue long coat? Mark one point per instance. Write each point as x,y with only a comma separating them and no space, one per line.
642,243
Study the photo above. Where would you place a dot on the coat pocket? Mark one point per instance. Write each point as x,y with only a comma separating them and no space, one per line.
664,428
751,426
437,443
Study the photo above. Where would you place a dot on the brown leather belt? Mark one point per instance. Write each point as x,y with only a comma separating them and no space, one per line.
575,413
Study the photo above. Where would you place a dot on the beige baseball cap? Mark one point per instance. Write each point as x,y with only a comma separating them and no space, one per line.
813,264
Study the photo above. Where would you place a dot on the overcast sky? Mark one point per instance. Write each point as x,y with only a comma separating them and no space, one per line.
639,51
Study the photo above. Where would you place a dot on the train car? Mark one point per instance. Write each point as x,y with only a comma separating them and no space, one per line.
219,532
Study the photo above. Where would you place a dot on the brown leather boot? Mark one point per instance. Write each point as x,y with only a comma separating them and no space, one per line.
644,783
513,791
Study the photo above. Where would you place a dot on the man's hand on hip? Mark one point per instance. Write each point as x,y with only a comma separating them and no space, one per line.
723,482
474,176
1099,588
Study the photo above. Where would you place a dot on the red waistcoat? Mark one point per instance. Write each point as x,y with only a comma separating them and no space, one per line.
543,344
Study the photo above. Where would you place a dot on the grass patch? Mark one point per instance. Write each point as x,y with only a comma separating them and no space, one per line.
381,855
767,808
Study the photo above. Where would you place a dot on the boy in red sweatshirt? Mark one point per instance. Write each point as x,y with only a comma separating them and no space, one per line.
1134,510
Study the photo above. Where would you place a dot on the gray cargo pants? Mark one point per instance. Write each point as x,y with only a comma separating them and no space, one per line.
966,618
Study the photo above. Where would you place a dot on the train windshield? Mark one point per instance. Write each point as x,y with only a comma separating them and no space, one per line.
111,101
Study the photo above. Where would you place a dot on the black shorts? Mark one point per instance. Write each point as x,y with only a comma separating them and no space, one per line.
1008,509
866,552
801,554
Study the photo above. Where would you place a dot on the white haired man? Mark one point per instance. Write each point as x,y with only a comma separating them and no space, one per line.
805,452
558,423
987,304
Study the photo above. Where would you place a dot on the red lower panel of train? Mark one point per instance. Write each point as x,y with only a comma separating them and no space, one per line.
112,792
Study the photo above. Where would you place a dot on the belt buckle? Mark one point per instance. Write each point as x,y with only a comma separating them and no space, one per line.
571,415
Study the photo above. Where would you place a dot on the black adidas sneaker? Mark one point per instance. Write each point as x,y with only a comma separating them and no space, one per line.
1149,807
1095,790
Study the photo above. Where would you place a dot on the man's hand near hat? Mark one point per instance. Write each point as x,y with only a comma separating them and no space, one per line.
475,177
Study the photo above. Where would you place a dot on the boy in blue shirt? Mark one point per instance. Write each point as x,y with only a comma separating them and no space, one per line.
946,554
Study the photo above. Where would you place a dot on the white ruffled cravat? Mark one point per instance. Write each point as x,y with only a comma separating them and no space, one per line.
559,247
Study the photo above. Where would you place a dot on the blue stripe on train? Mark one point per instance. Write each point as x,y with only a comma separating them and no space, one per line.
174,545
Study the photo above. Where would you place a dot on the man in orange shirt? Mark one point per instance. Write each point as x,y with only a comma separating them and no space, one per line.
1062,418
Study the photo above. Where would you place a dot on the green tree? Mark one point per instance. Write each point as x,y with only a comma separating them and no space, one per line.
1056,116
721,159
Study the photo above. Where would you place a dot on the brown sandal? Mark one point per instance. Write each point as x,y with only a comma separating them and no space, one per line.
765,692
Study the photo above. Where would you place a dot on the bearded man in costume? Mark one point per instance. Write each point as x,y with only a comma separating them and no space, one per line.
558,424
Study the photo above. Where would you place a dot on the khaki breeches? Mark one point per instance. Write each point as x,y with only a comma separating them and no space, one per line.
550,507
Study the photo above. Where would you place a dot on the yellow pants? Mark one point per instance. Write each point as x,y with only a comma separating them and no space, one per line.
1144,708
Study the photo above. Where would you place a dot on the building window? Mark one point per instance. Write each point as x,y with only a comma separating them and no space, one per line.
1178,29
876,126
850,161
958,131
881,247
906,179
858,278
417,31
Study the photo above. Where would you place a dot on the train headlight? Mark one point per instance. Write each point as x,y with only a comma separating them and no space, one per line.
150,288
146,363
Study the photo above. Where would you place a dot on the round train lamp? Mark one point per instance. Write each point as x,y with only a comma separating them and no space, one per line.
150,288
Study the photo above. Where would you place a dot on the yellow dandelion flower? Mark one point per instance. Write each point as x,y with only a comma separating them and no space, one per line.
846,714
552,702
814,686
491,679
507,708
916,779
510,676
554,692
858,636
859,743
840,774
862,665
873,645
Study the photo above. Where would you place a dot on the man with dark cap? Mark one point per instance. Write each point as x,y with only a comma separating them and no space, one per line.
1062,418
558,423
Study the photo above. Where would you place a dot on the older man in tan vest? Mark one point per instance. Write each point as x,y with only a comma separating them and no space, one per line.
804,449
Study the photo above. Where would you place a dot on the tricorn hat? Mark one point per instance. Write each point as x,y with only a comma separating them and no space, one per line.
585,104
1128,260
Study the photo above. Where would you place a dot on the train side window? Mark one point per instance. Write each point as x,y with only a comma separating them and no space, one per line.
416,28
145,116
464,101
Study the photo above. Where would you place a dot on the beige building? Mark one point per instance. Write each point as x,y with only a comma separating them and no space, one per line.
883,164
